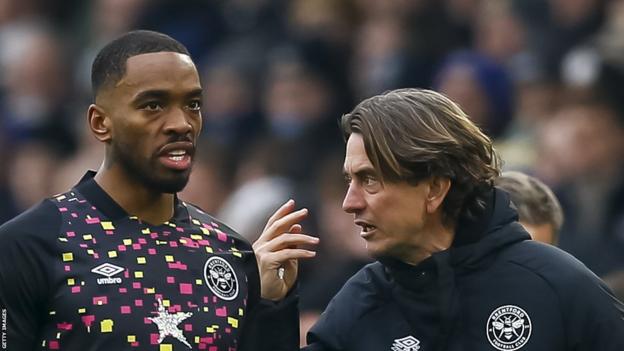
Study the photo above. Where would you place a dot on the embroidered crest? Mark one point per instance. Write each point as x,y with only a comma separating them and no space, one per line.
408,343
508,328
220,278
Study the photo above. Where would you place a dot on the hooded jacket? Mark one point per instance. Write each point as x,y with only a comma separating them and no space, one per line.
493,289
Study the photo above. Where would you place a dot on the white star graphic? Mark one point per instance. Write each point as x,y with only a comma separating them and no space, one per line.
168,323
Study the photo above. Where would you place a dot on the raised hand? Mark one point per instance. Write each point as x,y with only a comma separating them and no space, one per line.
278,250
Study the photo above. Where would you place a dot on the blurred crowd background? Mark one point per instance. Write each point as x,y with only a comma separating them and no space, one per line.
544,78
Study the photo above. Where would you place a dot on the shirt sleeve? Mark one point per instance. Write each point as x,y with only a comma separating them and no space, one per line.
24,275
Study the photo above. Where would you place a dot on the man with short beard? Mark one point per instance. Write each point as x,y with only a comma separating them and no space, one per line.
119,262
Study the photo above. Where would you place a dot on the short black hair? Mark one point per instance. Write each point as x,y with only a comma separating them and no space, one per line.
110,63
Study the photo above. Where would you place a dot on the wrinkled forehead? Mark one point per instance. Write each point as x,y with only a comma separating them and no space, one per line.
356,157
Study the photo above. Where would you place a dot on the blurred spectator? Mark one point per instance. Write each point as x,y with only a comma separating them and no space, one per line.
481,87
299,111
198,24
536,101
29,174
259,188
12,11
500,34
34,105
105,20
381,60
327,20
539,211
581,155
596,65
229,109
570,23
322,31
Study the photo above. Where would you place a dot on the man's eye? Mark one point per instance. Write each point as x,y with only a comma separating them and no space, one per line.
152,106
369,180
347,179
194,105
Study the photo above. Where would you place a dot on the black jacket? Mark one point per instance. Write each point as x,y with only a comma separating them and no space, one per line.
494,289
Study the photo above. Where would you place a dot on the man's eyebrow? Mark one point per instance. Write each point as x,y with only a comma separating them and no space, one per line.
195,93
163,94
151,94
368,171
365,171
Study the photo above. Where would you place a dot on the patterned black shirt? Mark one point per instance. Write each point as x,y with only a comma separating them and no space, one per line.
78,273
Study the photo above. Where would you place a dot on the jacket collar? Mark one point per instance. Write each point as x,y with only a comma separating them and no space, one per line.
475,239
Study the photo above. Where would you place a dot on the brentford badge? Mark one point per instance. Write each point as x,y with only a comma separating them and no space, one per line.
508,328
220,278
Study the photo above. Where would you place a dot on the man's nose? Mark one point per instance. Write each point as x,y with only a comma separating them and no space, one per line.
353,200
178,122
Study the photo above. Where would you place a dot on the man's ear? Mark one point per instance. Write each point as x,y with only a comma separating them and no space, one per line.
438,189
99,123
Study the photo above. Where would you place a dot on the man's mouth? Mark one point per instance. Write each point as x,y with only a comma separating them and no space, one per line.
367,228
177,156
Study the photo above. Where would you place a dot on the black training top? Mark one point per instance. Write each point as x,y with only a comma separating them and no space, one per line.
494,289
78,273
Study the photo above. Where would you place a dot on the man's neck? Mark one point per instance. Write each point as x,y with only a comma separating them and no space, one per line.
437,237
135,198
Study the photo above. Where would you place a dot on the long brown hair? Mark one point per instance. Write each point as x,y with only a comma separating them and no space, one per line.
413,134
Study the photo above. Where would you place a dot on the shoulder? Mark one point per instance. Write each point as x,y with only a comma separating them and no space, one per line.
209,222
361,294
592,315
573,283
365,284
41,221
28,240
551,263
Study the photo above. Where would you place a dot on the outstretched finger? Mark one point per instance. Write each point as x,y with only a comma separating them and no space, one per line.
283,210
279,257
287,240
281,225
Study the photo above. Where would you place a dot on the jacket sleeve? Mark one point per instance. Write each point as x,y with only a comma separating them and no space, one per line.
269,326
334,329
328,334
273,326
24,278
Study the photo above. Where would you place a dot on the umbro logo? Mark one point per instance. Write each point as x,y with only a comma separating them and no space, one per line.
108,270
408,343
